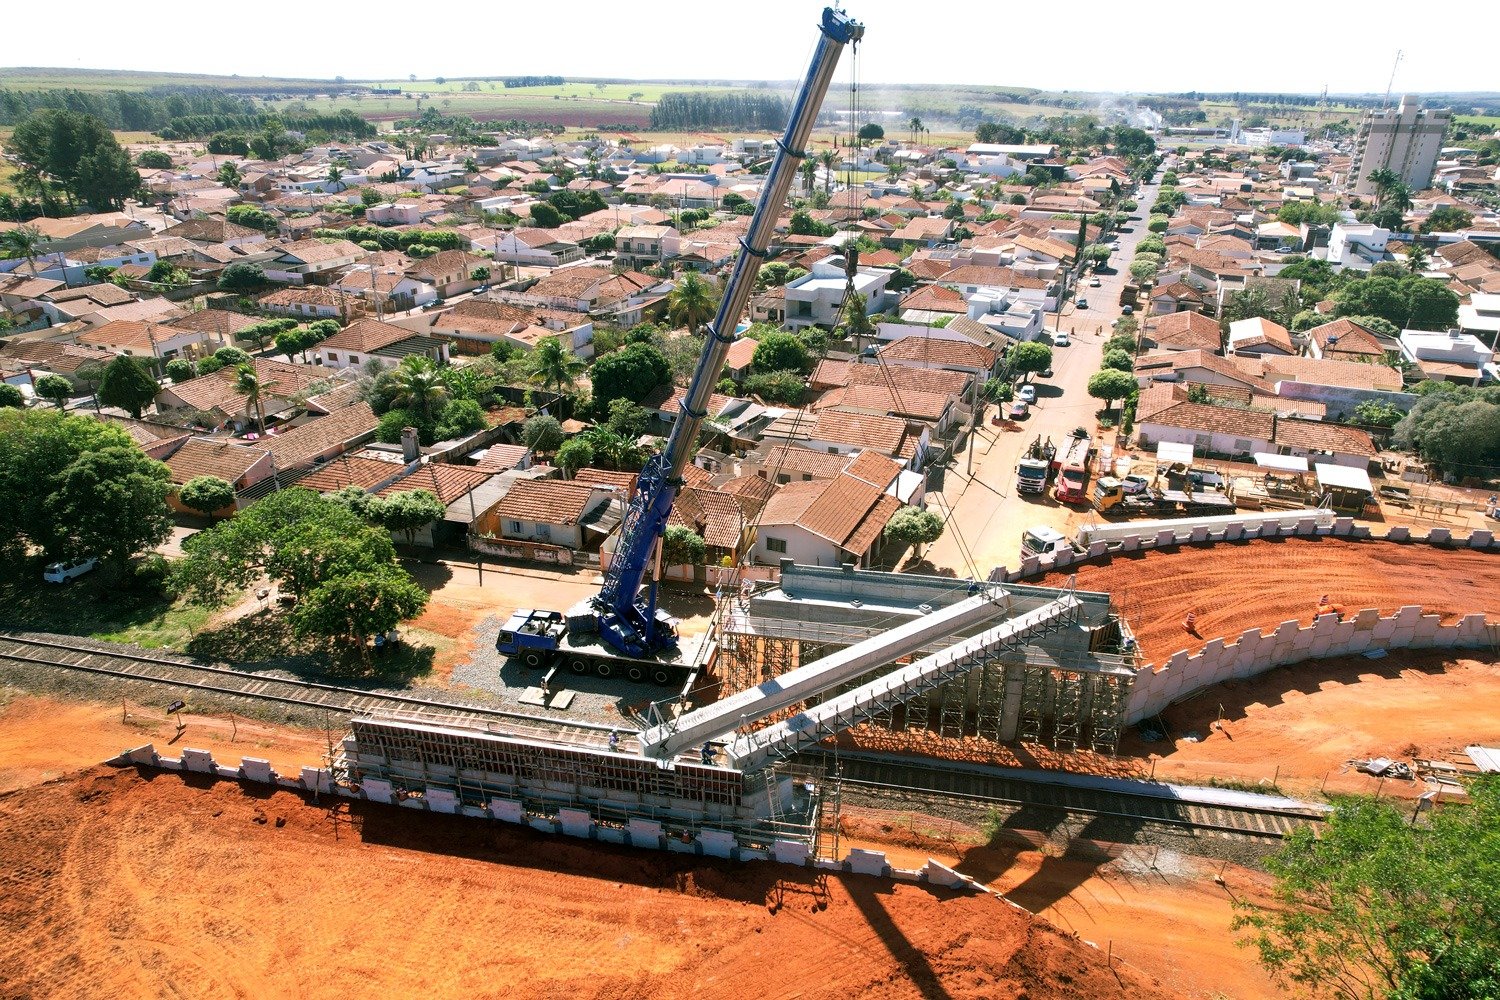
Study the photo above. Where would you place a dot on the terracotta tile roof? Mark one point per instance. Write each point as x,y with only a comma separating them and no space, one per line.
209,231
302,444
790,502
502,457
741,353
1169,406
668,400
216,321
104,294
1246,371
753,492
718,517
871,525
794,461
1179,291
549,501
296,295
1329,371
872,468
128,333
366,336
694,476
448,482
208,457
940,352
571,282
623,481
848,512
1186,331
1319,435
1344,336
63,358
365,473
345,393
317,252
898,401
217,391
995,277
888,434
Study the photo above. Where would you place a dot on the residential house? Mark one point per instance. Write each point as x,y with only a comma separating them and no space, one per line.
817,297
824,523
1175,297
1357,245
239,465
450,271
322,438
1453,356
385,288
550,511
642,245
147,339
1182,331
1259,336
306,258
217,395
720,519
475,325
1343,339
367,338
588,288
1323,441
1480,317
103,229
1165,413
530,246
941,352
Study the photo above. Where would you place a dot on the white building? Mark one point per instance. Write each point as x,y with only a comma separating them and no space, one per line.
1356,244
1481,317
1406,141
1453,356
815,299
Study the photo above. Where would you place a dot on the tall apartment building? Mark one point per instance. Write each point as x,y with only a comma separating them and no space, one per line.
1405,141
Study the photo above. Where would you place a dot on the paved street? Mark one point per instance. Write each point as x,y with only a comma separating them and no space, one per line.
987,514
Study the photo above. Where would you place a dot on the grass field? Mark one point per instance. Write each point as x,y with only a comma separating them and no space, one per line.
1484,121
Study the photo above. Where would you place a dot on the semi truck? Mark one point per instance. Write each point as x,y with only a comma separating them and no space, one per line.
620,630
1035,467
1112,499
1072,466
1044,540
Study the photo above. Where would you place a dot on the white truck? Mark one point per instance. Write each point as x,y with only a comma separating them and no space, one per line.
1044,540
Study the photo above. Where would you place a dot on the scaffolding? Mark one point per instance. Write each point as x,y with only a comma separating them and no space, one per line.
1107,713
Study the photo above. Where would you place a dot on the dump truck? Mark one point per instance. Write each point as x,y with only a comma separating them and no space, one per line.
1072,467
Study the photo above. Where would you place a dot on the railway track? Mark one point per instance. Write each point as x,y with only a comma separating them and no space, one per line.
934,782
105,660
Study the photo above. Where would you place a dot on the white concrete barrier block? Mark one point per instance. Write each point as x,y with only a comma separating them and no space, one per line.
1439,536
1361,531
1130,543
1165,536
575,822
441,800
1029,565
717,843
1200,533
1398,533
256,769
1479,538
1408,614
146,754
542,824
1098,549
611,835
1427,626
1307,526
1234,532
1343,526
507,810
376,790
939,874
790,852
316,779
198,761
863,862
644,832
228,773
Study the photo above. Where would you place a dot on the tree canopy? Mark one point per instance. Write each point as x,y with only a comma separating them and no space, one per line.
206,494
1029,356
630,373
1110,385
913,526
79,154
1411,302
128,385
779,351
682,546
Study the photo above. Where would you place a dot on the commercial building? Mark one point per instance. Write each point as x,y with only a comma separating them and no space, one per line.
1406,141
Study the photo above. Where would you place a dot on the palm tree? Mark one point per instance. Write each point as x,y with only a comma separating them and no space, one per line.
335,176
829,159
916,127
417,387
1397,197
553,365
247,383
856,319
1416,257
229,175
692,302
23,241
809,173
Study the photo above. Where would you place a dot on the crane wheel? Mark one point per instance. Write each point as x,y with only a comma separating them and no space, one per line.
604,668
532,659
660,676
578,665
635,673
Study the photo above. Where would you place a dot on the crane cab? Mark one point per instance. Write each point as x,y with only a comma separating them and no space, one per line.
533,636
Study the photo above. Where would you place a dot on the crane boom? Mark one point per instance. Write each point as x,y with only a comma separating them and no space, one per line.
629,625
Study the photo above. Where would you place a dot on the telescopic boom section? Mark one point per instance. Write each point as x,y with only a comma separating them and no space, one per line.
634,627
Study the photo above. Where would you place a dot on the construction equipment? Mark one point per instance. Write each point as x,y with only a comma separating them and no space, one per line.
1112,499
1072,466
1035,466
620,629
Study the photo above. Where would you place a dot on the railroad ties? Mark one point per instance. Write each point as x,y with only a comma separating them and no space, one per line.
70,653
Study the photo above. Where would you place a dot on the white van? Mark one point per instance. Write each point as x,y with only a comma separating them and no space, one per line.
62,572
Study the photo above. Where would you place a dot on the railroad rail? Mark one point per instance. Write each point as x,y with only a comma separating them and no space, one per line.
104,659
931,780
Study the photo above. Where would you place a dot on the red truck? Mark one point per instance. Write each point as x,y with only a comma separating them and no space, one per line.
1072,467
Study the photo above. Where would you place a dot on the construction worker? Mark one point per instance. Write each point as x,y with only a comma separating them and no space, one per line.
614,741
708,753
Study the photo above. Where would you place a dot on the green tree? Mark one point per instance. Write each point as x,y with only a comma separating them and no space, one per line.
682,546
295,341
11,397
91,373
857,322
1109,385
1119,360
56,388
692,302
613,451
542,433
112,504
544,216
632,373
229,175
154,159
416,386
241,277
627,419
1431,304
24,243
1375,906
1029,356
408,510
128,385
784,388
206,494
1144,267
1152,244
778,352
1158,224
253,218
553,366
354,607
871,132
574,454
78,153
1373,412
181,370
1447,219
913,526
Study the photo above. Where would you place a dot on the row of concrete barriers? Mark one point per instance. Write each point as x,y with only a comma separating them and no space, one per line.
638,832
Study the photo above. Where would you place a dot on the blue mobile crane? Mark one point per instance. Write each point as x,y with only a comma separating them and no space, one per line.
621,630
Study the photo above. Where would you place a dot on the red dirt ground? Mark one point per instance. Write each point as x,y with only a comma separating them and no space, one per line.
115,883
1236,586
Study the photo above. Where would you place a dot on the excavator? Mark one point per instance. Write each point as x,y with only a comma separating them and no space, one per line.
622,630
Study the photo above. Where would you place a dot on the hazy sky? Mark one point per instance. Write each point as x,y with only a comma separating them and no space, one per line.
1084,45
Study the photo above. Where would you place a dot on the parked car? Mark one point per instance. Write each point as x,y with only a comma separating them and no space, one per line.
1134,484
1093,282
1082,303
1060,339
1027,393
62,572
1127,310
1017,409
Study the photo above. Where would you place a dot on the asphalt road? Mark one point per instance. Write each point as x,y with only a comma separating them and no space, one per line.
985,514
